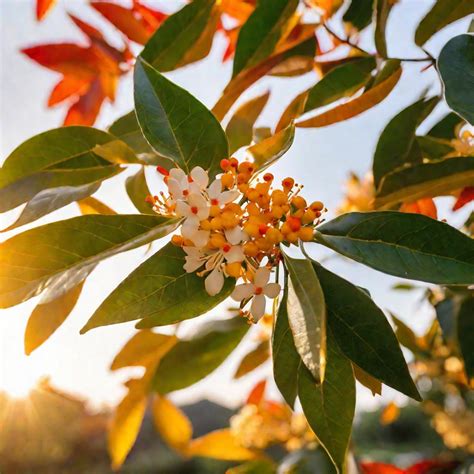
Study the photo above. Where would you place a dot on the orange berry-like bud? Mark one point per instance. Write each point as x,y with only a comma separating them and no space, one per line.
227,180
234,208
264,201
251,249
277,212
252,229
288,183
216,223
243,178
225,164
229,220
308,217
299,213
252,209
262,188
298,202
214,211
306,234
234,163
285,228
317,206
205,225
262,229
243,188
279,197
292,237
268,177
286,208
252,194
246,167
162,170
274,236
217,241
263,244
150,199
177,240
294,223
234,269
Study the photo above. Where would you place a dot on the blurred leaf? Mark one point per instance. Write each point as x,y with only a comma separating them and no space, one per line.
465,329
342,81
294,109
174,426
456,68
355,106
389,414
425,206
261,32
435,178
380,468
220,444
373,384
446,127
465,197
359,14
363,333
306,310
143,349
253,359
382,11
263,466
239,130
202,355
405,245
266,152
47,317
446,313
328,413
257,393
286,359
61,254
406,336
396,146
137,190
176,124
443,13
91,205
43,7
153,293
434,148
184,37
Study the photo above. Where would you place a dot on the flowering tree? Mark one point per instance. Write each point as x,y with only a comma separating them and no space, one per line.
231,225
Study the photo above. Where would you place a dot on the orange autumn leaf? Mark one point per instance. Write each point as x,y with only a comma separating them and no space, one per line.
86,109
380,468
465,197
238,9
43,7
425,206
67,87
257,393
152,19
389,414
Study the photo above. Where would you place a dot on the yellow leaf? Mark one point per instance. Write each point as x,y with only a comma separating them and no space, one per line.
253,359
356,106
143,349
373,384
173,425
91,205
292,111
220,444
389,414
126,422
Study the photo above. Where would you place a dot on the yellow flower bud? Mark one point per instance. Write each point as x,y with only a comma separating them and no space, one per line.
317,206
264,201
308,217
274,236
298,202
306,234
277,212
279,197
292,237
227,180
229,220
253,209
216,241
263,244
205,224
177,240
262,188
252,194
286,229
234,269
214,211
216,223
252,229
251,249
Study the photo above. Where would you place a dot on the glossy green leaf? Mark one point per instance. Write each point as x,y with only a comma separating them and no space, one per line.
261,32
446,127
176,42
189,361
456,68
363,333
175,123
306,310
359,13
382,12
396,146
58,256
433,178
137,190
466,334
154,293
329,406
442,14
410,246
239,130
46,318
434,148
342,81
286,359
389,67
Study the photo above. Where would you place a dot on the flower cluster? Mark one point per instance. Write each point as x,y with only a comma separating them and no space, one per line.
234,225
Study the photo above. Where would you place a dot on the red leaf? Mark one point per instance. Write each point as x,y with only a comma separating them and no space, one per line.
466,196
91,32
66,88
124,20
86,109
152,18
256,395
432,467
43,7
425,206
379,468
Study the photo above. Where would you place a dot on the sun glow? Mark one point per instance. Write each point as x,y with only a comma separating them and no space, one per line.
19,386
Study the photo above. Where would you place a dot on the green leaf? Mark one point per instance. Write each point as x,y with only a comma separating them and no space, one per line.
434,148
91,205
466,335
175,123
176,42
363,333
342,81
432,179
446,311
266,152
456,68
390,66
446,127
190,361
239,130
58,256
137,190
407,337
329,406
405,245
154,293
261,32
47,317
306,310
382,11
396,146
442,14
286,359
359,13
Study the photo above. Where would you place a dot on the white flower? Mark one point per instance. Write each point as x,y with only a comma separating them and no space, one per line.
195,259
217,197
181,186
233,251
257,291
214,281
194,211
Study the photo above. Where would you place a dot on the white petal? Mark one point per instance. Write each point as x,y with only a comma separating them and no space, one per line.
192,251
214,190
235,254
272,290
197,200
258,307
175,188
183,210
200,176
190,227
214,282
193,188
243,291
228,196
200,238
261,277
234,236
192,264
178,174
203,213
